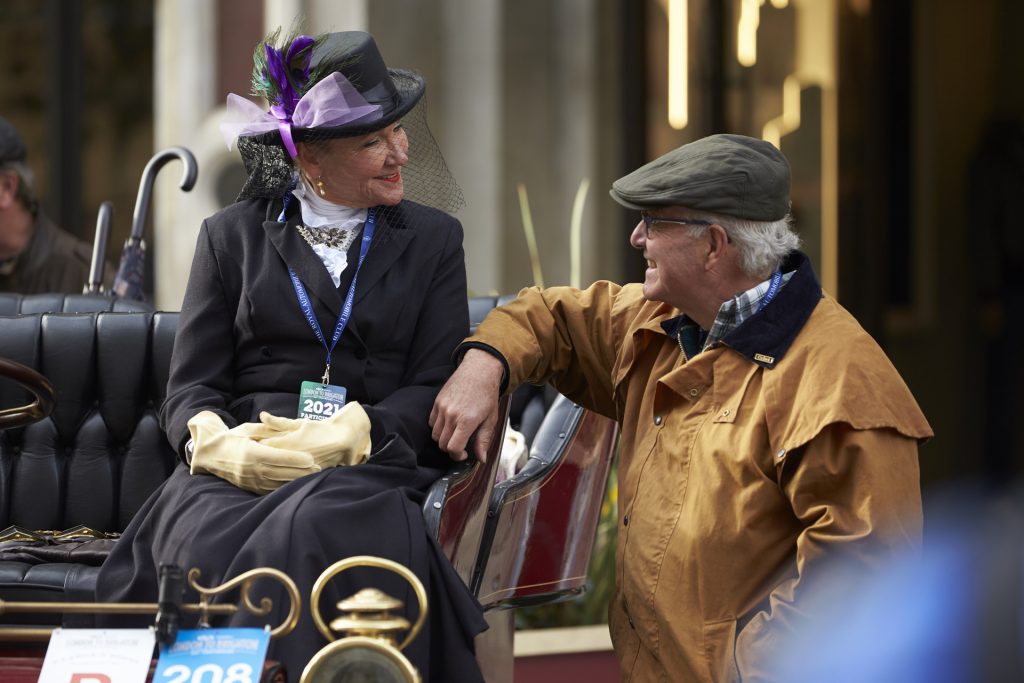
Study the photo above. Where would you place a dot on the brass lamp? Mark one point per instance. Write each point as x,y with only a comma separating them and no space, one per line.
366,648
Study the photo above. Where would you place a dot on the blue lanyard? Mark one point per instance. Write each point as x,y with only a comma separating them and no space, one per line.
773,288
346,309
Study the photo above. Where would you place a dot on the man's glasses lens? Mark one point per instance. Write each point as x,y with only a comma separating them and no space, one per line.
650,220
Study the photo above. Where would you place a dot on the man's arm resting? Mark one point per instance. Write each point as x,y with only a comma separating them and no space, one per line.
467,402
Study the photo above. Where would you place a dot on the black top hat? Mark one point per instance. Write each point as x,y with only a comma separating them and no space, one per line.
353,54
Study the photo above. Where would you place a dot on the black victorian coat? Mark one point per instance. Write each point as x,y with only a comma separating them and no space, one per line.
243,346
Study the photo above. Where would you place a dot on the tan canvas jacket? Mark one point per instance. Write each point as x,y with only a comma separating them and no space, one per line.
742,471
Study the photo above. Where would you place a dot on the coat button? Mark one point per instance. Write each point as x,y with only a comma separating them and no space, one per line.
657,420
625,520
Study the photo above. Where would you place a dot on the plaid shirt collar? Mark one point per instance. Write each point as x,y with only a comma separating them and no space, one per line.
731,314
739,309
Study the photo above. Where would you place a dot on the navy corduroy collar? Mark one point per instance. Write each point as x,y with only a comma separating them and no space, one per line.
766,336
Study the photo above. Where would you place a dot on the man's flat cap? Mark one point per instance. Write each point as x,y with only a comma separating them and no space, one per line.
12,147
728,174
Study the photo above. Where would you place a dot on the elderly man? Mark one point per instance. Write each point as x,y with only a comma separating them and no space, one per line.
764,433
35,255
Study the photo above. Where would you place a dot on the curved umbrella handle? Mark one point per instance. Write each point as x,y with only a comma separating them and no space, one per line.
99,249
45,396
159,160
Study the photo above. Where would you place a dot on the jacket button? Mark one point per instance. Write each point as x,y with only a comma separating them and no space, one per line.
694,392
657,419
625,520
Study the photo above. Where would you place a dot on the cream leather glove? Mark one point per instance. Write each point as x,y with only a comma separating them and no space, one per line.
236,456
341,439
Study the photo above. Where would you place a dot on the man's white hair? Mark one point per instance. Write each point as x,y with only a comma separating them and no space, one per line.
762,245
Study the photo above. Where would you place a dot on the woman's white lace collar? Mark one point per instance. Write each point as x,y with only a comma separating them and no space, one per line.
318,213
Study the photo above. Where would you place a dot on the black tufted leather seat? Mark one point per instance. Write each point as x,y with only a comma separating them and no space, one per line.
14,304
101,453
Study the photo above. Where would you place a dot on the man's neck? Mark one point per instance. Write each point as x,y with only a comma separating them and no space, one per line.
725,290
16,226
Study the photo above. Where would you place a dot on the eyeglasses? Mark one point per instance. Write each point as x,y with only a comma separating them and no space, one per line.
650,220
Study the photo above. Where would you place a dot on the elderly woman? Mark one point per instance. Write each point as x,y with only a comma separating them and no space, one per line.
322,287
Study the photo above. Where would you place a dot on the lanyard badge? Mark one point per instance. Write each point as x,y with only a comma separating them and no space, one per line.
320,400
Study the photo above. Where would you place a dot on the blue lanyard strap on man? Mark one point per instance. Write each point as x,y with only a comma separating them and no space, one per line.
346,309
773,289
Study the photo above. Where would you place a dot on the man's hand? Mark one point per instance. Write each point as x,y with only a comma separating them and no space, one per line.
467,402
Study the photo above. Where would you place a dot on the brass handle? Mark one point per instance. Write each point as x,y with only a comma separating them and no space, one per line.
245,580
45,396
203,607
368,561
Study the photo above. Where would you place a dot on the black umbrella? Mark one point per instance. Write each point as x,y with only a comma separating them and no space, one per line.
131,271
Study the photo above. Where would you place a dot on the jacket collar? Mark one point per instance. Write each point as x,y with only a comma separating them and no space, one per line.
390,239
765,338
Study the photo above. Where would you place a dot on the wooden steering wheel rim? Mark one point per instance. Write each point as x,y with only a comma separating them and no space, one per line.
37,384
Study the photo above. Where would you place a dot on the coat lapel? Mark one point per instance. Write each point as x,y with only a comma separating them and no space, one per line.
390,240
303,260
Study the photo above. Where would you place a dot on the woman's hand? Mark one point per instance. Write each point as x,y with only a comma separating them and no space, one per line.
468,404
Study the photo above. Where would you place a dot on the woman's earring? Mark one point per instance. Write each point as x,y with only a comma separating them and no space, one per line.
321,190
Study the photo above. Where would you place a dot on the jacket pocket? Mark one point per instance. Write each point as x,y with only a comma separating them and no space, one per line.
720,651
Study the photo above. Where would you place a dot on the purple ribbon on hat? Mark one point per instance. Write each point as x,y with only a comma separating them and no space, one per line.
334,101
279,70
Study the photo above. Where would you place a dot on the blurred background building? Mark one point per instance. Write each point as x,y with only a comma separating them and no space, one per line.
903,119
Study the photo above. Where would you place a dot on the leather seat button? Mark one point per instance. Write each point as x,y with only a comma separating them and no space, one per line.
265,351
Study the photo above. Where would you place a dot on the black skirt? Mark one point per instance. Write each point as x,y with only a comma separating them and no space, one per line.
301,529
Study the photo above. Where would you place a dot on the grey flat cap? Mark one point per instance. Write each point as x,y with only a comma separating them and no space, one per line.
12,147
729,174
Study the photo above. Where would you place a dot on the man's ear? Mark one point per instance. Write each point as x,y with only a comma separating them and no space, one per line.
717,241
8,188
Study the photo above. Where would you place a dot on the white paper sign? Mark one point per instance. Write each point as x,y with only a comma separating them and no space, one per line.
86,655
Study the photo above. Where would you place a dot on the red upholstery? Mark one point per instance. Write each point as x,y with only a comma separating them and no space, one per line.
542,522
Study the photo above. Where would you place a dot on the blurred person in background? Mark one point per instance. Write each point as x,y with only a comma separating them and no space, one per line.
764,432
952,614
36,257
